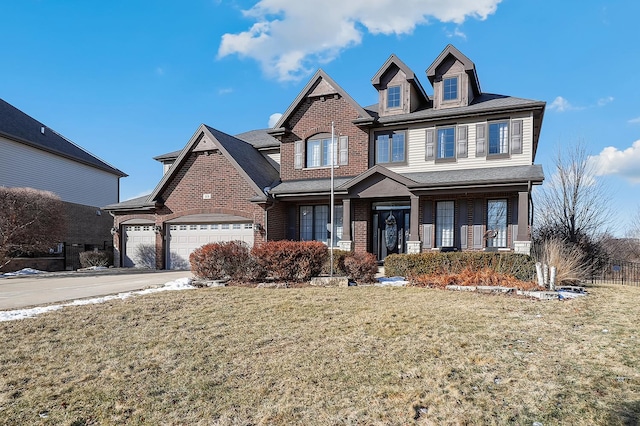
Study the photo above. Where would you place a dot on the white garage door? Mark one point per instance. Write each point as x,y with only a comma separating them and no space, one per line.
185,238
139,246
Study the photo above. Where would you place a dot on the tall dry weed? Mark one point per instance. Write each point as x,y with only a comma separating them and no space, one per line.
568,260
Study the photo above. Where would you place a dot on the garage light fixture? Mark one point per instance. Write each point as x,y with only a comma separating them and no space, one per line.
157,229
114,231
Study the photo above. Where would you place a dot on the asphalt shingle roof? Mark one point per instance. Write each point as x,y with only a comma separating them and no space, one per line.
509,174
22,128
248,158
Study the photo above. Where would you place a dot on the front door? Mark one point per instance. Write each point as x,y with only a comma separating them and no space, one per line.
390,231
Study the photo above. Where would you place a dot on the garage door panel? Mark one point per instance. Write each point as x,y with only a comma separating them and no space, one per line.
183,239
139,247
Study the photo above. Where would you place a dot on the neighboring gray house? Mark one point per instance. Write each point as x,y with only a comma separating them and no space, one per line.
34,155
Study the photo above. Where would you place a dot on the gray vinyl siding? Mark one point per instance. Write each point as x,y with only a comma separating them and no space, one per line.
24,166
416,151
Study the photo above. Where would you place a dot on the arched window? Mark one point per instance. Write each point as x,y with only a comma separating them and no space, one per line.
319,150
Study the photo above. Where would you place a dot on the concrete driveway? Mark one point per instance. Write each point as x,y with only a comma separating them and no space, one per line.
42,289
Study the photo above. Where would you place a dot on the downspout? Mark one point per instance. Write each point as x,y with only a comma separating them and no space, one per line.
529,188
119,241
266,217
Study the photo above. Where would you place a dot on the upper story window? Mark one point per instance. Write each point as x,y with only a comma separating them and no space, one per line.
319,151
446,142
499,138
450,89
390,147
393,97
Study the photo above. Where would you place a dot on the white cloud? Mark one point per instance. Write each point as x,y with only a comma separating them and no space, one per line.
290,37
560,104
225,91
605,101
612,161
634,121
273,118
160,71
456,33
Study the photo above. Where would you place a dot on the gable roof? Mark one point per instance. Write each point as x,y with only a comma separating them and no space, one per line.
319,77
246,159
377,170
260,139
469,67
411,77
22,128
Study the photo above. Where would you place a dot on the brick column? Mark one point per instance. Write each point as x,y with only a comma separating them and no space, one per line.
414,245
522,242
346,243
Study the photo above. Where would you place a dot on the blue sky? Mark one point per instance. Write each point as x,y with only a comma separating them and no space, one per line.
130,80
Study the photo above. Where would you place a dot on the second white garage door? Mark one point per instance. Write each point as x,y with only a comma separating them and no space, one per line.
183,239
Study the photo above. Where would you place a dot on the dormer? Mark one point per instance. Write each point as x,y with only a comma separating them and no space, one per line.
454,79
399,91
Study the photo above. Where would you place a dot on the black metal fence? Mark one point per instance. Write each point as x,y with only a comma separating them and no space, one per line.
618,272
72,253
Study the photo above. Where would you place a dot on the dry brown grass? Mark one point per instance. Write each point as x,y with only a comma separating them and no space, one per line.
350,356
468,277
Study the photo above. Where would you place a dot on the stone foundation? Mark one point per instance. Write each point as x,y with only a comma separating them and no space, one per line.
345,245
414,247
522,247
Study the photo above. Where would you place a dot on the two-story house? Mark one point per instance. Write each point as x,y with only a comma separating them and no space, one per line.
34,155
411,173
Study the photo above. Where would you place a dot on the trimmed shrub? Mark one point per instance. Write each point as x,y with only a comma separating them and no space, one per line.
291,260
517,265
361,267
222,260
95,258
338,262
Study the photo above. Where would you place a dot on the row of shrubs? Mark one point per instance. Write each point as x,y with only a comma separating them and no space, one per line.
295,261
520,266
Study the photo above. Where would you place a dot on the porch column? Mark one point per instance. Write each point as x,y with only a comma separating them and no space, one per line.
522,241
414,245
346,243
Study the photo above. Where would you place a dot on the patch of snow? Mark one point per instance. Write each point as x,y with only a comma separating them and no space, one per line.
25,271
179,284
392,281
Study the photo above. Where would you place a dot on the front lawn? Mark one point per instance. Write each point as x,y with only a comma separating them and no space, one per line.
357,355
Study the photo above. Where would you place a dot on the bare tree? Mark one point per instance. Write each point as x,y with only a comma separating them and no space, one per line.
633,238
634,228
31,221
573,205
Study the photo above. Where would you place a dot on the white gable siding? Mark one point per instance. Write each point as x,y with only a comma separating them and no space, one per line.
24,166
166,166
274,156
416,139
